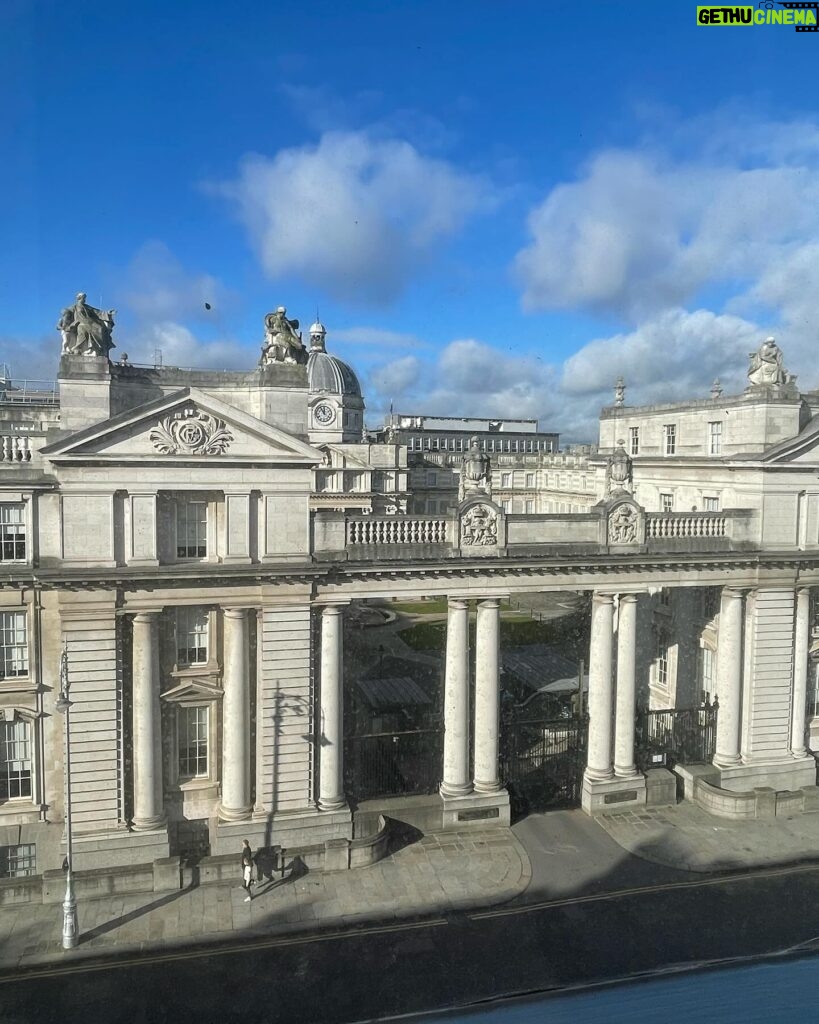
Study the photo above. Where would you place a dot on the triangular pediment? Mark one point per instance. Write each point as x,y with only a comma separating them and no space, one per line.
187,426
804,448
193,689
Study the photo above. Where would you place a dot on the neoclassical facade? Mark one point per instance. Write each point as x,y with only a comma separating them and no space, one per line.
194,540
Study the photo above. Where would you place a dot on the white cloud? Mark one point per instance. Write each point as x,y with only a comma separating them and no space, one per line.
638,232
156,287
353,215
377,336
179,346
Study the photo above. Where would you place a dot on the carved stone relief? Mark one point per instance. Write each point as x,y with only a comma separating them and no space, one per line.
623,524
479,525
191,432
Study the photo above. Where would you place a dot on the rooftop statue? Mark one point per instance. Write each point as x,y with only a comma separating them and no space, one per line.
476,472
86,331
766,366
282,340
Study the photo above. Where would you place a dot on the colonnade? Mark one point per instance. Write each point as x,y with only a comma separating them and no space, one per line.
611,701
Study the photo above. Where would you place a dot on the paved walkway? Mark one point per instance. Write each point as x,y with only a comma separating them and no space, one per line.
436,875
547,856
689,838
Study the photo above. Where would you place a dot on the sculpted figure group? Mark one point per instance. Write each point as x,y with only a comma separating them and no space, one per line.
85,330
767,369
282,340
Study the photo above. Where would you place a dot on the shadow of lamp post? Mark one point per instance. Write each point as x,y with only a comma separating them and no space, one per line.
63,705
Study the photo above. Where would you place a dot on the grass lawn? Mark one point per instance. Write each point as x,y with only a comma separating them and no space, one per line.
435,607
569,634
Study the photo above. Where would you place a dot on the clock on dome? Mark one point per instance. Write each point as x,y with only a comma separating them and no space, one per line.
324,414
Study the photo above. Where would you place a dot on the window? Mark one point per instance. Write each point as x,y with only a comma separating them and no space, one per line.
715,438
530,479
670,438
191,636
706,674
666,502
710,504
18,861
661,663
13,644
436,444
12,533
459,444
530,507
191,529
192,737
15,760
634,440
506,505
432,479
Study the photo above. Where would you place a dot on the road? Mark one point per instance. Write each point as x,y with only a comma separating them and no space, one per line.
461,959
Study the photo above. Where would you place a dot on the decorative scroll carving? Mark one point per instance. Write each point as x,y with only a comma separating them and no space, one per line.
479,525
191,432
623,525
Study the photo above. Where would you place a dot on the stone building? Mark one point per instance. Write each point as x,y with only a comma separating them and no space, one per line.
190,543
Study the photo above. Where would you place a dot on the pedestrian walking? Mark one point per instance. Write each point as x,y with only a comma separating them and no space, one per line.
247,869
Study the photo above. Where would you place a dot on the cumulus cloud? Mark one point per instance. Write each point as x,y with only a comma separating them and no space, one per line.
377,336
353,215
177,345
639,232
156,287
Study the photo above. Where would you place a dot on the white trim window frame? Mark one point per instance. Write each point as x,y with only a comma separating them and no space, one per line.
13,532
192,636
670,435
666,502
193,742
16,760
14,657
191,529
715,437
634,440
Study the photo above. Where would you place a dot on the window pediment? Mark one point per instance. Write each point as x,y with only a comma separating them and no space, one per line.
192,690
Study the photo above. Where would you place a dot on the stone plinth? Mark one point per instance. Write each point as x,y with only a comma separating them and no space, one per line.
609,796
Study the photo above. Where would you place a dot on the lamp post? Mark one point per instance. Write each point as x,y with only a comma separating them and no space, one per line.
63,705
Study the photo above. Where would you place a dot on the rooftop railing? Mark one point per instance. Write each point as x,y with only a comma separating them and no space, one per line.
29,392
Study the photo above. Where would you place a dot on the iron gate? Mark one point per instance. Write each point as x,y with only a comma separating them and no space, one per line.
398,763
542,760
674,735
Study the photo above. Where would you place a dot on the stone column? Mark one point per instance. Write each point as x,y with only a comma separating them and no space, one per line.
331,783
456,781
235,803
149,809
487,696
624,765
800,673
729,679
598,765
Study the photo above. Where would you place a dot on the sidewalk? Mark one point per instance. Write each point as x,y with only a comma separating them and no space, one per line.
436,875
688,838
547,856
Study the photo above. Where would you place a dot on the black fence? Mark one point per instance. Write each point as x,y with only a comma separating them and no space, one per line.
393,763
674,735
542,760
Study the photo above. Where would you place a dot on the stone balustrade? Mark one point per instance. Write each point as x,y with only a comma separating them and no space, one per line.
390,530
15,448
681,526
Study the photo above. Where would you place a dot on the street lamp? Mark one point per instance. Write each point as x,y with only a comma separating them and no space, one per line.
63,705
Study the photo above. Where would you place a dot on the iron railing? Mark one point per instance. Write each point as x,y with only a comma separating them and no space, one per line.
29,392
393,763
673,735
542,760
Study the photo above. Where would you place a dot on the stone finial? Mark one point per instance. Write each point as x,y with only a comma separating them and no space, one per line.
619,391
716,389
318,334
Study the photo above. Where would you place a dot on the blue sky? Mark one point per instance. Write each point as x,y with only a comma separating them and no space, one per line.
496,207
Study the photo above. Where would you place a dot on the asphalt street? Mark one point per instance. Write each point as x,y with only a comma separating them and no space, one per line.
461,959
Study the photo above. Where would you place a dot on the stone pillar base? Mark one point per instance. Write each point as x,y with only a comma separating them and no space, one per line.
778,775
476,809
608,796
118,848
234,813
309,827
